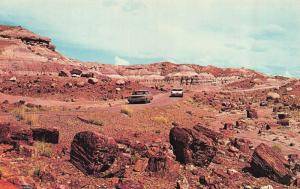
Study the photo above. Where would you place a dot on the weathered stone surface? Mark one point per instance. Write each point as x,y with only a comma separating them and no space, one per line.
49,135
94,154
266,162
193,146
76,72
87,74
157,163
252,113
129,184
93,81
283,122
63,74
14,135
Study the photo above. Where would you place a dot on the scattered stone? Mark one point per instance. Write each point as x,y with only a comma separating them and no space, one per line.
76,72
129,184
266,187
93,81
282,115
182,183
13,79
63,74
80,84
266,162
252,113
283,122
140,165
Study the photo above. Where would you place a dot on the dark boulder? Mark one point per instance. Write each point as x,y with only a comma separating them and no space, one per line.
266,162
49,135
87,74
251,113
95,154
63,74
193,146
14,135
157,163
76,72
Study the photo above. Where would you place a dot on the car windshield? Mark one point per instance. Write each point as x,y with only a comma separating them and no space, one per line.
177,90
140,92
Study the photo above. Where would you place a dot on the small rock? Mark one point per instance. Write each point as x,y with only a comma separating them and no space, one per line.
182,183
266,187
13,79
93,81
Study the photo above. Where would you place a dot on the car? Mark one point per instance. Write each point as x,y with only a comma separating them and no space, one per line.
177,92
140,96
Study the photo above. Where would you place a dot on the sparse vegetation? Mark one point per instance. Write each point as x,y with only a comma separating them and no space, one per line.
30,117
43,149
37,171
126,110
277,148
160,119
92,121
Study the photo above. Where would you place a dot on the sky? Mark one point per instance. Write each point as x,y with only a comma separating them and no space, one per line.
258,34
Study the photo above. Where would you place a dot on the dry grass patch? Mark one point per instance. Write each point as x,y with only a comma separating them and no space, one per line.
43,149
160,119
23,114
126,110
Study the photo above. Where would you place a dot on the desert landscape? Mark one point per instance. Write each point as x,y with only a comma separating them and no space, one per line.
68,124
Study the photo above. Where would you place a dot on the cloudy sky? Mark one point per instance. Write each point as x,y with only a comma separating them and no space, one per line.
259,34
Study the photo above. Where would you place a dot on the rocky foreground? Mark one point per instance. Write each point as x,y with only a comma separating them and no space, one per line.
67,124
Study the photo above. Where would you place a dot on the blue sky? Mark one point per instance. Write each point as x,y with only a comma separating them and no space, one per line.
257,34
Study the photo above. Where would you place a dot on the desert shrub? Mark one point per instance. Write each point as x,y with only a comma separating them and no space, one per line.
43,149
22,113
160,119
276,148
126,110
37,171
95,122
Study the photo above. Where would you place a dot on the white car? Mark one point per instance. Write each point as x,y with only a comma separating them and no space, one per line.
177,92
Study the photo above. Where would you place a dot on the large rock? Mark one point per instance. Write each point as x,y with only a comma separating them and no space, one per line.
266,162
14,135
63,73
194,146
251,113
49,135
93,81
94,154
76,72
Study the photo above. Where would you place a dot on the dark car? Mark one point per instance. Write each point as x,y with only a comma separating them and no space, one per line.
140,96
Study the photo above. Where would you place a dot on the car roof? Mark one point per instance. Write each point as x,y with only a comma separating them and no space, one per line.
141,91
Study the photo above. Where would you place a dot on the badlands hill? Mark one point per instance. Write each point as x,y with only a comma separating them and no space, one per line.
67,124
24,51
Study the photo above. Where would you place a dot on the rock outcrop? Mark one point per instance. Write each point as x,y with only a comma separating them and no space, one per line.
94,154
266,162
194,146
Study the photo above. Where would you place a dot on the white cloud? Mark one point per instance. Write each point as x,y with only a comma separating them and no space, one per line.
121,61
